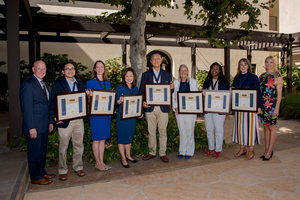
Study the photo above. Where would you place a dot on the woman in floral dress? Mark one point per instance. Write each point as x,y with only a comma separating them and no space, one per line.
271,87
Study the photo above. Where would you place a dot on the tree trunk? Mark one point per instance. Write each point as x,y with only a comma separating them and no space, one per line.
137,37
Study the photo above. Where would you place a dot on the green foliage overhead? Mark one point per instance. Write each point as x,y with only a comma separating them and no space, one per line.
214,16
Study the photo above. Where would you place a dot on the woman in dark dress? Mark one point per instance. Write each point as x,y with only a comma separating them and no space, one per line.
99,125
271,87
246,128
126,128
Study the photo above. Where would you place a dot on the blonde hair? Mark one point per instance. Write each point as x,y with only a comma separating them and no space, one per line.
275,71
183,66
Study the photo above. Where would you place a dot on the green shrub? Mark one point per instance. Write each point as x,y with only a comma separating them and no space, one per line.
295,77
290,106
114,71
139,143
200,77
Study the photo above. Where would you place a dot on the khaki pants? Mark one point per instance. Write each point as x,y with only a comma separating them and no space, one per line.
154,118
75,130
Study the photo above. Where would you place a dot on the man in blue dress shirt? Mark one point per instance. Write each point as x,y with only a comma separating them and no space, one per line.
37,122
69,129
157,116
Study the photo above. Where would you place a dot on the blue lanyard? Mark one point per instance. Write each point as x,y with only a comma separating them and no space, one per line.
101,86
156,78
213,85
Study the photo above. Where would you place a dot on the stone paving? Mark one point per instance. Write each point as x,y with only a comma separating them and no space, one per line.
198,178
234,179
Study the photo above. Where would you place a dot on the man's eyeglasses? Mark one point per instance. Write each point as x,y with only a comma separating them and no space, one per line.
69,69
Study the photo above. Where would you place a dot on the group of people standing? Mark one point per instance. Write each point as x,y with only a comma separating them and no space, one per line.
38,105
246,124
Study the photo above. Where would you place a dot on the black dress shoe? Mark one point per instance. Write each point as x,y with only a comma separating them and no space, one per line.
262,157
132,161
125,166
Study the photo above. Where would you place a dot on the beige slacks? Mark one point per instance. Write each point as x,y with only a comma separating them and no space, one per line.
75,130
160,119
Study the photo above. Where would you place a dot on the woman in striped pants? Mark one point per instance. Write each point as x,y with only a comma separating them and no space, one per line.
246,128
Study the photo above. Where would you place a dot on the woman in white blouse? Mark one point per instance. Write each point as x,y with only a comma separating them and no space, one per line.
185,122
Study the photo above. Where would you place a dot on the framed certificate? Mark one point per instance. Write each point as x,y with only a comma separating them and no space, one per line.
71,105
102,102
190,102
245,100
217,101
158,94
131,106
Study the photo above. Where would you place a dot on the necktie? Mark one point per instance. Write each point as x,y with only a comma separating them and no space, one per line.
44,89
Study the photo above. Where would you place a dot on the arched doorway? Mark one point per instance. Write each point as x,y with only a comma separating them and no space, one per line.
166,63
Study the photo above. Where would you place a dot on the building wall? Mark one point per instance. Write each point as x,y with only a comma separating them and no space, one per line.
289,16
87,54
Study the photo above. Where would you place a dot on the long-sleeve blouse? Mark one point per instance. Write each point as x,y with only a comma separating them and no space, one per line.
250,81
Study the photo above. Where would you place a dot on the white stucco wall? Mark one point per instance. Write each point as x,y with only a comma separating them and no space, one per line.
289,16
87,54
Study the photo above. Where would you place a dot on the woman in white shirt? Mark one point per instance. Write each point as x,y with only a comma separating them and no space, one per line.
185,122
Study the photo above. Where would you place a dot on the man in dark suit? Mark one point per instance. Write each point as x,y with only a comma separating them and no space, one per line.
69,129
37,122
156,115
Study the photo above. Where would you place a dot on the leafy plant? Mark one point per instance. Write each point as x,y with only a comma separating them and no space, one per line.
201,76
54,65
114,70
295,77
290,106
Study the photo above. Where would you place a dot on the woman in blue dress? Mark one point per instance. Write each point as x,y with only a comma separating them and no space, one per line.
99,125
126,128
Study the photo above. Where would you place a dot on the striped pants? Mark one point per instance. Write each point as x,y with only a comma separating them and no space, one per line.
246,129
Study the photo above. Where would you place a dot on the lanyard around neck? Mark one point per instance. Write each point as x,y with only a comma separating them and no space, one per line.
214,85
99,82
157,78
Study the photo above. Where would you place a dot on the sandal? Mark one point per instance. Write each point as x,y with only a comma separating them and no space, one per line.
250,155
241,152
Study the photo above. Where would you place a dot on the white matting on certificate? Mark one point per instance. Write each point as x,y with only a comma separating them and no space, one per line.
131,106
71,105
102,102
190,102
245,100
217,101
158,94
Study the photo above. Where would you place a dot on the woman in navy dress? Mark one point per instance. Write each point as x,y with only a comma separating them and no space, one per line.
99,125
126,128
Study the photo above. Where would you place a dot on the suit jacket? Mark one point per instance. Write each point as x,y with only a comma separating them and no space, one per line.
61,86
147,77
35,106
193,87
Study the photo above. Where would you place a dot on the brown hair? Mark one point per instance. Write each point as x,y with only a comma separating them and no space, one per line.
247,62
94,75
124,74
